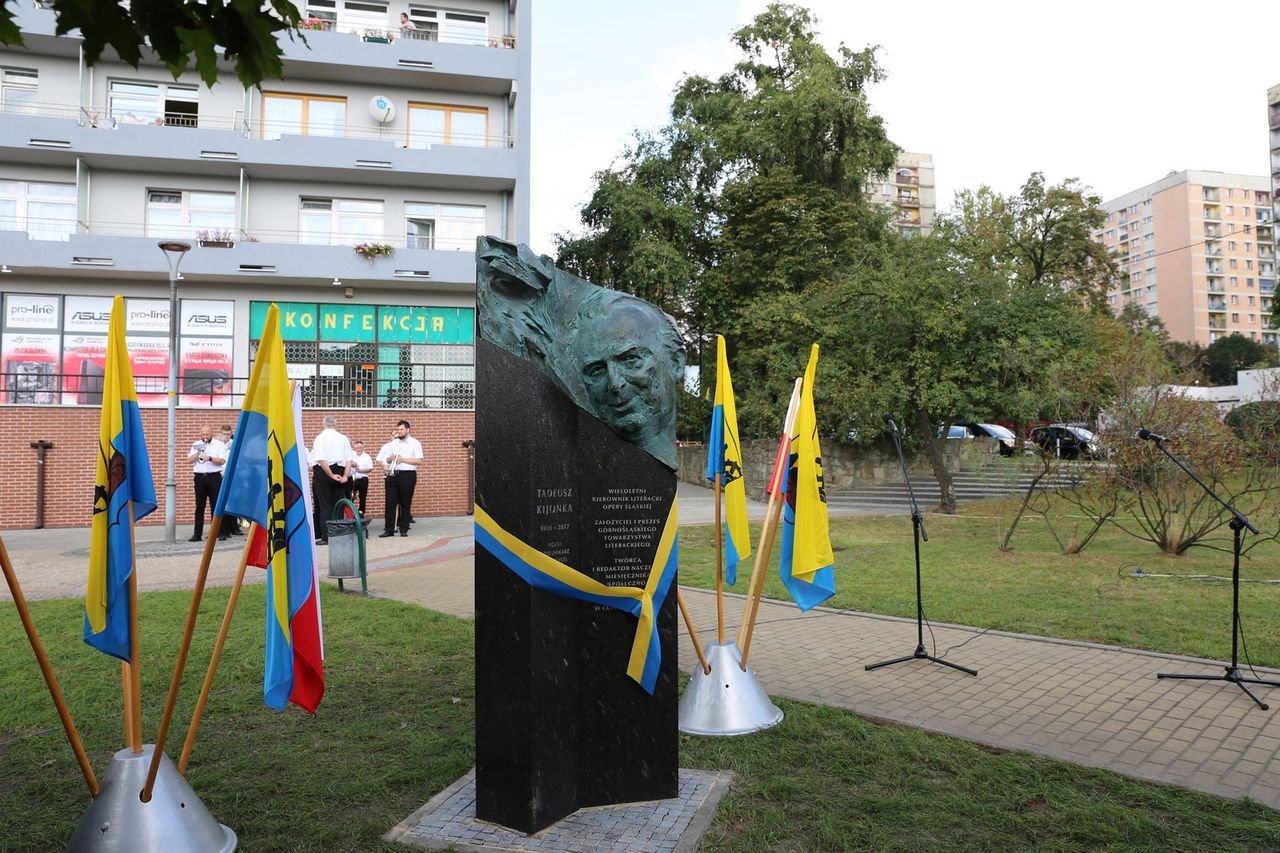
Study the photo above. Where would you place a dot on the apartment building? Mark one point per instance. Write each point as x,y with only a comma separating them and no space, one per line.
1197,249
350,192
910,192
1273,122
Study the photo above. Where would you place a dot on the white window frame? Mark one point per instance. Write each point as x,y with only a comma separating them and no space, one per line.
194,215
458,26
454,227
342,213
26,194
158,115
19,89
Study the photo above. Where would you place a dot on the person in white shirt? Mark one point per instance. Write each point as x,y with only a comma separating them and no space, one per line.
360,468
229,525
330,453
399,459
207,457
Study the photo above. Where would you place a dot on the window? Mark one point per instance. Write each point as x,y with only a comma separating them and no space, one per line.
153,103
1235,318
1248,264
1248,282
348,15
18,88
1230,210
185,213
339,221
307,115
1244,211
1253,318
1235,282
1235,300
45,211
1251,300
1231,245
438,124
1233,263
452,227
441,25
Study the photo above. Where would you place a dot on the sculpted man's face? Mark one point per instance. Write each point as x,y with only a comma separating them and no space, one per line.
624,375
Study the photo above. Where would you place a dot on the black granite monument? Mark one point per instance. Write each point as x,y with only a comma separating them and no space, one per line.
575,435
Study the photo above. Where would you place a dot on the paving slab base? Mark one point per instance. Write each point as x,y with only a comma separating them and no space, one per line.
448,822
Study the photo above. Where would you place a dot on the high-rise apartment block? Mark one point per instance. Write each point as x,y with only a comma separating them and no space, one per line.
909,190
1273,122
350,192
1197,250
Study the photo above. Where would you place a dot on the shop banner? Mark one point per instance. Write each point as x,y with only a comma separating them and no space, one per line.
29,367
206,317
356,323
30,311
84,361
205,372
149,358
147,316
87,314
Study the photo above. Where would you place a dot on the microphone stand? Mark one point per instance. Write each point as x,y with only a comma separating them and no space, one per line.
1238,525
918,531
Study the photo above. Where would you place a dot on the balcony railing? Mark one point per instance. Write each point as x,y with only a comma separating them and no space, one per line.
278,236
1217,305
1218,325
1215,287
907,180
386,35
103,118
40,229
34,383
1267,287
1213,269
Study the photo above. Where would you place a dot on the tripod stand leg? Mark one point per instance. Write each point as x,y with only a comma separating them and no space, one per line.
902,659
1263,705
952,665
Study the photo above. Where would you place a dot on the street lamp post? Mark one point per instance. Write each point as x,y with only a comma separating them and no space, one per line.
173,252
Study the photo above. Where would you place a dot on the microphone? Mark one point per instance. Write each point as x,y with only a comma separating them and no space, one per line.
1147,435
888,419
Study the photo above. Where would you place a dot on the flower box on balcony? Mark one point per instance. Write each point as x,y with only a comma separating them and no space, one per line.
216,244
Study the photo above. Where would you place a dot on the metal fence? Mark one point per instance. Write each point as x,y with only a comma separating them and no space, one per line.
36,383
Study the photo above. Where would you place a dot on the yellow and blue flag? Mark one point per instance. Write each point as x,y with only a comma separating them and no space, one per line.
123,476
807,563
724,457
264,482
544,572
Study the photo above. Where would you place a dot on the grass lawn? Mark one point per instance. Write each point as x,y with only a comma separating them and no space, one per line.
396,727
1035,589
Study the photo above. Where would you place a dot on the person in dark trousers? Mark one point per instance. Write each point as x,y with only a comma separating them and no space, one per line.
330,455
206,458
398,460
229,525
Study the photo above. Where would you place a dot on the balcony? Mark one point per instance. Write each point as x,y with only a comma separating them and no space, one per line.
1266,286
906,179
1217,325
1211,194
1215,286
55,134
1212,213
1212,250
1212,231
1213,269
1217,305
123,250
908,199
386,35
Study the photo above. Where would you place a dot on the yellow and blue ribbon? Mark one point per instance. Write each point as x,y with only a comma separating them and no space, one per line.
549,574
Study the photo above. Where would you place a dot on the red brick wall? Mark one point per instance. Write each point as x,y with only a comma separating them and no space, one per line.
69,464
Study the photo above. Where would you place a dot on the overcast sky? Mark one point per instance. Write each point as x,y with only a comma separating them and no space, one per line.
1114,93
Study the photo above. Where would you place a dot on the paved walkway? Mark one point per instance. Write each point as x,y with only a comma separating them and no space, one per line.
1088,704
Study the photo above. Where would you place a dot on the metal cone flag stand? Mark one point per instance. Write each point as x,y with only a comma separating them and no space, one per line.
175,821
724,696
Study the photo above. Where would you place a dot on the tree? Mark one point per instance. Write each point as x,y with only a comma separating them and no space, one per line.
753,192
1226,355
179,32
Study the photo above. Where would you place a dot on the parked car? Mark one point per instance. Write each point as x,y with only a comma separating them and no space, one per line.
972,429
1068,442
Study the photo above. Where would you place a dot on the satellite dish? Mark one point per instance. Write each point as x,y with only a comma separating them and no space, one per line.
381,108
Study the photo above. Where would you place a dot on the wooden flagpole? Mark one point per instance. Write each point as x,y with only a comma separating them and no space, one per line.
134,693
217,652
693,635
769,531
754,596
126,690
196,594
46,670
719,565
762,554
